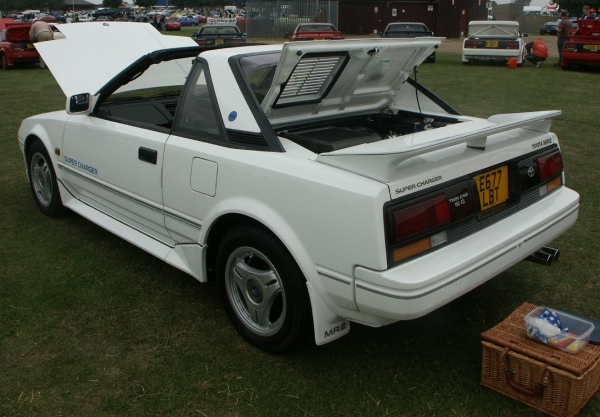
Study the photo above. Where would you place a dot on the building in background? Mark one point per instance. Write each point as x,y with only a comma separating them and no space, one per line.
449,18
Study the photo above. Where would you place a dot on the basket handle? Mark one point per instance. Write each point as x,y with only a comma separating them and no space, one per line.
509,375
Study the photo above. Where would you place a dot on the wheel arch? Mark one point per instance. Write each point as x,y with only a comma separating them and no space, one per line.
274,225
326,323
30,139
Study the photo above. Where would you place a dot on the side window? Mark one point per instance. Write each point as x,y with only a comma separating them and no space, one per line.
196,114
150,98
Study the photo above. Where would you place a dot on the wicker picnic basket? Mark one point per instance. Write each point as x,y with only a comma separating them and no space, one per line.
548,379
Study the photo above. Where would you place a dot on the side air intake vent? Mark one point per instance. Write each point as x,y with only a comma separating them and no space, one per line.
247,139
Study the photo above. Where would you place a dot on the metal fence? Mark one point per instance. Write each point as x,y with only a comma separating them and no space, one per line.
277,19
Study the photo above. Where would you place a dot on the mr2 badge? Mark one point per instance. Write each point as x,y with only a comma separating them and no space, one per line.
541,143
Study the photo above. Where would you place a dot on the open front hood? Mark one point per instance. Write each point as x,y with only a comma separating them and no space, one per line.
94,53
315,80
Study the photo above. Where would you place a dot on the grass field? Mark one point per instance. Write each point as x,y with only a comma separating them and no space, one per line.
93,326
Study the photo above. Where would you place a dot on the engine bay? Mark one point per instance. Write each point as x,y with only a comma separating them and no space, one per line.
329,137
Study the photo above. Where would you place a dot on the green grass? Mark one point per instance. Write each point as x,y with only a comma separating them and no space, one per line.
91,325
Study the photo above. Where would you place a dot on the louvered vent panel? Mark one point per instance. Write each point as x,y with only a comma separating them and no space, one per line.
247,139
309,76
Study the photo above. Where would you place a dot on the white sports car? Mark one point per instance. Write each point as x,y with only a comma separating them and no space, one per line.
316,182
493,40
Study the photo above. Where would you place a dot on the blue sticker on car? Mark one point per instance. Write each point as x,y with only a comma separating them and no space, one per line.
232,116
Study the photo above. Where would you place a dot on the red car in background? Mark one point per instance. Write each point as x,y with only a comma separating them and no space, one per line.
48,19
315,32
15,46
172,24
583,46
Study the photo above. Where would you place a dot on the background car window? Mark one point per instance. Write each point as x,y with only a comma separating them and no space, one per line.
197,116
316,28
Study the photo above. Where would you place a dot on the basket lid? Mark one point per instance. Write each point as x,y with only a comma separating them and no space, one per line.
511,333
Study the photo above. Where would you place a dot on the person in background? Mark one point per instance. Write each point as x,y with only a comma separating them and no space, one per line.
562,32
318,17
587,14
537,52
40,32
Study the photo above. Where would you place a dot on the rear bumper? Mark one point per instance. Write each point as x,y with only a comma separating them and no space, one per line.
26,57
418,287
581,58
474,53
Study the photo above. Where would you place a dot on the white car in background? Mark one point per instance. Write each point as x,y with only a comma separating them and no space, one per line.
316,182
493,40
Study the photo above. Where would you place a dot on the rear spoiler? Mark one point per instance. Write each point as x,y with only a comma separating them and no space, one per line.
378,160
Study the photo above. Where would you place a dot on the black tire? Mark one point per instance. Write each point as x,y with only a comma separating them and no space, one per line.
42,180
263,290
4,62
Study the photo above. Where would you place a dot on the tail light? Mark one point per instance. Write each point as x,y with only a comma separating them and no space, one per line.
570,47
470,44
512,45
420,224
422,216
18,47
453,211
550,165
201,42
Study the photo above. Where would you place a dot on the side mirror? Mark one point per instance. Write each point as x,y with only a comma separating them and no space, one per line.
79,103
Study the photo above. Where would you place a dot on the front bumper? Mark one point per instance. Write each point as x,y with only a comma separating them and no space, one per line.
418,287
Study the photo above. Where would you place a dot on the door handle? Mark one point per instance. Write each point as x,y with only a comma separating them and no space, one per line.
147,155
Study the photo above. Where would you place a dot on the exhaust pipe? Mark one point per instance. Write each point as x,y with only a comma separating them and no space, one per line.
540,257
551,251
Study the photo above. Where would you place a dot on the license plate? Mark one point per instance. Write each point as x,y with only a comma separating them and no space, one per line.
491,44
592,47
30,46
492,187
219,42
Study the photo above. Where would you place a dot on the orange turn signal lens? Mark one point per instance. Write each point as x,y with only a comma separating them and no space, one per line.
412,249
554,184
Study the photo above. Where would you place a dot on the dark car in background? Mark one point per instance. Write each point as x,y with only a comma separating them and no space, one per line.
408,30
548,28
15,46
219,35
315,32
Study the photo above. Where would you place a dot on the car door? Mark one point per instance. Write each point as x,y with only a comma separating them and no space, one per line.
117,168
192,159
